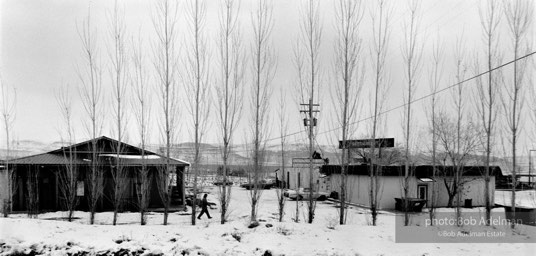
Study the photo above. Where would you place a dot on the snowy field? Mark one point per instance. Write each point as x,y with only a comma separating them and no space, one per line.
49,235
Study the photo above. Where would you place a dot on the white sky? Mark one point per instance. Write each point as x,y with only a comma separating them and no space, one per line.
40,50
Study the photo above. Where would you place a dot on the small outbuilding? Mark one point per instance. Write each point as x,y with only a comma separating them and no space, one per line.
43,173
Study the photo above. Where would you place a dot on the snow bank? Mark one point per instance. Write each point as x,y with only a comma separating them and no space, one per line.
524,199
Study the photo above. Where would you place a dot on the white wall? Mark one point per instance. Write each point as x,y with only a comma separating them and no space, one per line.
358,189
474,188
391,188
303,175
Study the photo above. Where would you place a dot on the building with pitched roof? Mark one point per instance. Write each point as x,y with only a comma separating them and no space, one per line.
41,175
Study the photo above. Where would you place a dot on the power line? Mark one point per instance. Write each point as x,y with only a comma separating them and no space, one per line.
397,107
403,105
418,99
397,18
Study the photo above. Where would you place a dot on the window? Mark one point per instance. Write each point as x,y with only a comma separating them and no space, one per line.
172,180
80,188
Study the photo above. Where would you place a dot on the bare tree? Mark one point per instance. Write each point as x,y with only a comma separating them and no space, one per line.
349,80
229,89
165,20
381,33
309,44
9,100
69,174
435,78
458,141
91,93
412,55
298,61
118,71
142,112
283,132
459,107
32,189
490,17
197,86
519,16
263,70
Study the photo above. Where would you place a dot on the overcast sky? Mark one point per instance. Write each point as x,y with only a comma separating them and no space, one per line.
40,49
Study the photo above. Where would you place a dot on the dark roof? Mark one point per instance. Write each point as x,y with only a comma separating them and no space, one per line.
105,145
45,158
418,171
81,151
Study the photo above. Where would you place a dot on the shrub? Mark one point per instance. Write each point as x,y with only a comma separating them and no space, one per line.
237,236
283,230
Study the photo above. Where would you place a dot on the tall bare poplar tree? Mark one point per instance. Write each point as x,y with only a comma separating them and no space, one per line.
228,89
197,86
263,70
519,15
412,55
118,71
91,92
301,81
349,78
308,54
490,18
9,99
283,132
165,21
459,105
435,77
381,33
141,105
69,175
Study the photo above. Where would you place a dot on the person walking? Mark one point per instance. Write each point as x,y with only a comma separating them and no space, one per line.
204,208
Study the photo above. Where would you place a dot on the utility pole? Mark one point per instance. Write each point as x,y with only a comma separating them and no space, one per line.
310,121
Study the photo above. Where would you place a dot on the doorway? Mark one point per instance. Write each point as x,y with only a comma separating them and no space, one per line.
422,192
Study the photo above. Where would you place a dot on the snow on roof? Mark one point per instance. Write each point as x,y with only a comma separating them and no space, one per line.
132,156
148,159
180,160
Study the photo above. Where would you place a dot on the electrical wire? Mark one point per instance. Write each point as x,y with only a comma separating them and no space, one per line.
404,104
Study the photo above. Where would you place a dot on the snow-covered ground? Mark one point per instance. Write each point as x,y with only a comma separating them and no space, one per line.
48,235
524,199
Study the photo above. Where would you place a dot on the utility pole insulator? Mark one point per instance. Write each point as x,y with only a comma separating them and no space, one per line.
306,122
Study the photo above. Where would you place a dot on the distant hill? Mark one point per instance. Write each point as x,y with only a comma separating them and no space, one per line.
24,148
211,154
